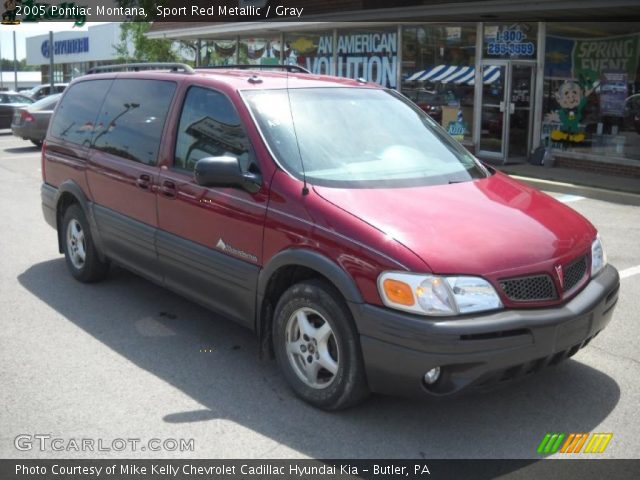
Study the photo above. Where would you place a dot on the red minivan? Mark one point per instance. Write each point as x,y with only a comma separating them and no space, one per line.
368,250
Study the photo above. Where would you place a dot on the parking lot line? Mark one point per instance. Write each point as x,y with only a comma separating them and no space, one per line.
629,272
569,198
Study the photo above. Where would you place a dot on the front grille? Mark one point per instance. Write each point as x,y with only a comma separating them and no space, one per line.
529,289
574,272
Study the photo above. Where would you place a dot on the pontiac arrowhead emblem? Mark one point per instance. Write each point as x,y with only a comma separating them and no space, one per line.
560,275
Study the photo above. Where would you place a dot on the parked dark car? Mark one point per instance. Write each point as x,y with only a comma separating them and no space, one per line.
9,103
41,91
367,255
31,122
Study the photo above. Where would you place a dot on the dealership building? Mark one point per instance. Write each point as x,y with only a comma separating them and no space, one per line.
74,51
503,76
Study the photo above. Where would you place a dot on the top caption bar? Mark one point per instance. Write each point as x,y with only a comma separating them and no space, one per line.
210,11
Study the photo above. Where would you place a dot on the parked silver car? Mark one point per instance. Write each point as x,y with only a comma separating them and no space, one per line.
42,91
31,122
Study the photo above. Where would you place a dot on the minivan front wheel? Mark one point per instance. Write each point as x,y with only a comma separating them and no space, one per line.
317,346
80,253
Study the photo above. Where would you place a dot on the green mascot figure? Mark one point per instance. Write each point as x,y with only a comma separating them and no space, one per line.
572,98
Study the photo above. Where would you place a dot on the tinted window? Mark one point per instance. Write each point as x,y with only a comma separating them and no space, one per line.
209,127
132,118
75,118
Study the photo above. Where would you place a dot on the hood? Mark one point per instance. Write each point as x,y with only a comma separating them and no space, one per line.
488,226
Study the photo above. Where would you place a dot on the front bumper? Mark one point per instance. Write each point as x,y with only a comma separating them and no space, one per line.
478,351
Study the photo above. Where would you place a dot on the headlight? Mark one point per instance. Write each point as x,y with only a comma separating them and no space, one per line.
598,257
434,295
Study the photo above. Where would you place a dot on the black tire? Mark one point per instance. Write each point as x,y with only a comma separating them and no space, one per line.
37,143
91,269
347,386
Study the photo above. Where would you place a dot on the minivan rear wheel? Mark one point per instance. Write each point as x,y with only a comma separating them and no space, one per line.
316,346
80,252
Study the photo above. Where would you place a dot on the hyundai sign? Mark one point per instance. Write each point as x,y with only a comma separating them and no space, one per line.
65,47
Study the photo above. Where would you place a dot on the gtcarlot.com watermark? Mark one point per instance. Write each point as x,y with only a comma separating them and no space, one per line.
49,443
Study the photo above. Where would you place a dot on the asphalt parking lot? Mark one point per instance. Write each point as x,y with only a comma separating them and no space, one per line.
128,359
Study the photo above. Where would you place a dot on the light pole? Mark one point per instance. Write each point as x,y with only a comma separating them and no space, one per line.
1,79
51,49
15,63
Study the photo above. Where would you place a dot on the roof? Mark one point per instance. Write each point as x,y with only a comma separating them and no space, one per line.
270,79
238,79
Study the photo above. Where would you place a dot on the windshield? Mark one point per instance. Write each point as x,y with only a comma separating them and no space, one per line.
358,137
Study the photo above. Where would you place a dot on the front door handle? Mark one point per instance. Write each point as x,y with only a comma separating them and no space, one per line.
144,181
168,189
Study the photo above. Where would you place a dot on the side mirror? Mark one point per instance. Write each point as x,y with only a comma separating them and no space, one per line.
225,172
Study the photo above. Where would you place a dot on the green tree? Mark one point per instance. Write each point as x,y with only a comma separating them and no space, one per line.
7,65
135,46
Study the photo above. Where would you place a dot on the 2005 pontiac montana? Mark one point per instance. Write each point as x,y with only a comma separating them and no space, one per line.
367,249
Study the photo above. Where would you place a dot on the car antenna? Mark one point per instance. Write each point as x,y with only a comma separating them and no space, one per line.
305,189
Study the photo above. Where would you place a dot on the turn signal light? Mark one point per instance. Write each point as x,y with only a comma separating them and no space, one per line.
398,292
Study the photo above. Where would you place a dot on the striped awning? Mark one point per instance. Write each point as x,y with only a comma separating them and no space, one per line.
457,74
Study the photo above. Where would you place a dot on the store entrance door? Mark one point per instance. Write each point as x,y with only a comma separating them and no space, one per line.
506,110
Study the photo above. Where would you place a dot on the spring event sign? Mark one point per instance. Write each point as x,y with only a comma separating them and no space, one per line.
566,57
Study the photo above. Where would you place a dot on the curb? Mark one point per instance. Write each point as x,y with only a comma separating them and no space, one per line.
614,196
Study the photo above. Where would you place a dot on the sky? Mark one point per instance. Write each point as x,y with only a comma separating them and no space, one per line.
29,29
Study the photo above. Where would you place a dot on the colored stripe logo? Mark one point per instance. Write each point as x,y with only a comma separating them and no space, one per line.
574,443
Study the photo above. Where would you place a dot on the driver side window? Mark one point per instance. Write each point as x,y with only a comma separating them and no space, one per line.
209,127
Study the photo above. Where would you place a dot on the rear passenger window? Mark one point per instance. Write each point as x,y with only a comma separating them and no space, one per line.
209,127
76,116
132,118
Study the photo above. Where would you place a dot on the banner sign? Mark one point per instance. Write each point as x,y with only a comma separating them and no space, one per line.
371,56
611,53
566,57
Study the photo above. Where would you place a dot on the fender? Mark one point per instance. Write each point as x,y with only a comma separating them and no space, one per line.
314,261
71,187
303,258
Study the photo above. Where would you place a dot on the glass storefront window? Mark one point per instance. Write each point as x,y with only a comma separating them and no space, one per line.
259,51
371,53
313,51
591,87
218,52
438,73
510,41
